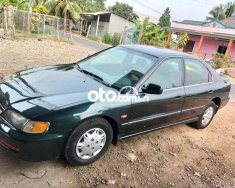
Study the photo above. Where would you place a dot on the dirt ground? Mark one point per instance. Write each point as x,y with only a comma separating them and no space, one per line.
178,156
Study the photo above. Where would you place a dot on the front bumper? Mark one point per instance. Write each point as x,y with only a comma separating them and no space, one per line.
30,147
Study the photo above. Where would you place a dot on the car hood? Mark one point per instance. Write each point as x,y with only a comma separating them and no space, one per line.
50,87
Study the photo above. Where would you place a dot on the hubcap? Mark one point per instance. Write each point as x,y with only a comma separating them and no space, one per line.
91,143
208,114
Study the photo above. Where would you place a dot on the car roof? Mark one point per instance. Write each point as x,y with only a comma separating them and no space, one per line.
157,52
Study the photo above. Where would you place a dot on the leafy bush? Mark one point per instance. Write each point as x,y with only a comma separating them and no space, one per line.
154,35
151,34
107,38
41,9
222,61
116,39
111,39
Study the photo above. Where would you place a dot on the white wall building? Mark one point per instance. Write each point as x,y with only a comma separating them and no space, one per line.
107,22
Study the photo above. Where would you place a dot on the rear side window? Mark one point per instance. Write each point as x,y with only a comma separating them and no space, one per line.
196,73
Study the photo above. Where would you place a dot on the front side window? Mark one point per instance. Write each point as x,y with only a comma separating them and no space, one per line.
196,72
168,75
119,66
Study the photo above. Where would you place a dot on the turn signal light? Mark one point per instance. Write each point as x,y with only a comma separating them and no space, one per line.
40,127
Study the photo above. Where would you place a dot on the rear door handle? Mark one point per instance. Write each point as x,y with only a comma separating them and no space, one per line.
211,91
179,97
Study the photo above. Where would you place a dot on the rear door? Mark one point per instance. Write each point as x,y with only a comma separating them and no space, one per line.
198,88
161,109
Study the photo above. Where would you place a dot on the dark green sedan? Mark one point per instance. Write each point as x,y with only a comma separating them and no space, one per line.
78,110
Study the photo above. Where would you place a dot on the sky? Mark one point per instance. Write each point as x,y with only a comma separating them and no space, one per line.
180,9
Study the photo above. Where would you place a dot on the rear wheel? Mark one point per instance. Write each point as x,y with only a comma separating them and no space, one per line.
206,116
88,142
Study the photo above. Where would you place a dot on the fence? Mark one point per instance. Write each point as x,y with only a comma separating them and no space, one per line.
12,20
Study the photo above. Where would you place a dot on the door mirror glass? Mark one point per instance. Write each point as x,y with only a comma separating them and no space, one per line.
152,89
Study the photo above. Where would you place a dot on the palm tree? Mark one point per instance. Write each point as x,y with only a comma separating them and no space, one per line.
67,10
229,9
217,13
221,12
50,5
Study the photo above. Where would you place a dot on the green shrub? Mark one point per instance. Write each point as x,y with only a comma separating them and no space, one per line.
116,39
217,60
107,38
222,61
41,9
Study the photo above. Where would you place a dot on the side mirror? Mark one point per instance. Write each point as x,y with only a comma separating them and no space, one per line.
152,89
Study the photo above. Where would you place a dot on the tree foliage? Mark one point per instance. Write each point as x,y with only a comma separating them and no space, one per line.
19,4
165,19
91,5
221,12
124,10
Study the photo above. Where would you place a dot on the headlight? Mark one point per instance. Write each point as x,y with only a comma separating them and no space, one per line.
14,118
24,124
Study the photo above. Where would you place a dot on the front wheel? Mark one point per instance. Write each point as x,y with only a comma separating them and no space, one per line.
206,116
88,142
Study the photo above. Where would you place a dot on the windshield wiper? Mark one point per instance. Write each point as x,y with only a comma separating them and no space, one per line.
96,77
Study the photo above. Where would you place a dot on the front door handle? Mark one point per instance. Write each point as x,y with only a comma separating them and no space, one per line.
211,91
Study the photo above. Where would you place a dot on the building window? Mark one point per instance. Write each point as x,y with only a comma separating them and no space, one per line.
222,49
189,46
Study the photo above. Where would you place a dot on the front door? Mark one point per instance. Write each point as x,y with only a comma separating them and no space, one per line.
161,109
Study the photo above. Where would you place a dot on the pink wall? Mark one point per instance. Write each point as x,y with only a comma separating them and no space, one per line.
210,46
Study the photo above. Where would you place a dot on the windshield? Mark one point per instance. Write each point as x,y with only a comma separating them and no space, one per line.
119,67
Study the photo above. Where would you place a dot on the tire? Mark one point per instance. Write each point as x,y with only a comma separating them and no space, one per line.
203,122
88,142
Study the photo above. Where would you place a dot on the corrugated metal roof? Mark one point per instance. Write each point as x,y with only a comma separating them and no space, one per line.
230,22
97,13
193,22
